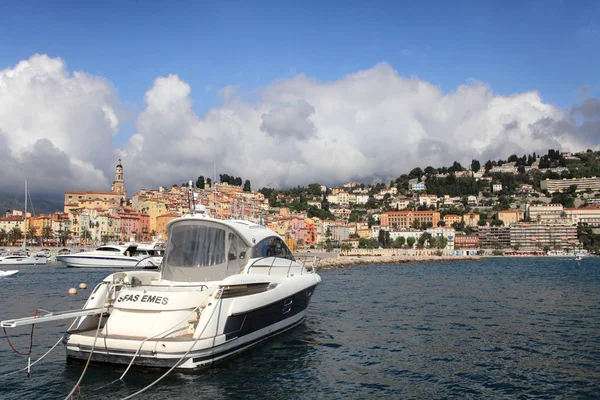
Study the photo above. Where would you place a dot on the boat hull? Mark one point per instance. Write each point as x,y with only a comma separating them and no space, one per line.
241,331
79,261
6,274
24,261
194,361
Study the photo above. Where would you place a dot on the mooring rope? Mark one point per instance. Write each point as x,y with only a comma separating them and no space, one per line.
178,361
76,387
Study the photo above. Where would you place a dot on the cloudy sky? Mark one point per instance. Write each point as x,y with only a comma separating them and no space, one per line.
287,94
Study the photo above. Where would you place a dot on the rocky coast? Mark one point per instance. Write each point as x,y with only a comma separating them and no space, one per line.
334,260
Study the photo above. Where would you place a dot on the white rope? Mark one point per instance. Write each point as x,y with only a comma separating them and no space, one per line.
178,361
69,396
91,351
153,337
43,356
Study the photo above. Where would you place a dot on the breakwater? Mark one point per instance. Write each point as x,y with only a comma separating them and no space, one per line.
347,261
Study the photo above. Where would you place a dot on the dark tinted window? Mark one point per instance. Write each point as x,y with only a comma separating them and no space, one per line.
272,247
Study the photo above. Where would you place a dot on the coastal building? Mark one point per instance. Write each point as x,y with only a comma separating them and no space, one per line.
584,215
405,219
560,185
405,233
538,237
428,200
544,212
161,223
493,237
442,231
510,216
465,242
11,224
450,219
417,187
39,222
116,198
471,219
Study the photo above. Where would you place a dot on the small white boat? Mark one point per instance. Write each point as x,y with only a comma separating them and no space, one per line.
22,259
6,274
578,258
113,256
224,287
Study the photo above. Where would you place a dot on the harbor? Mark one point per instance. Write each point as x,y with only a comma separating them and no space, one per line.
498,328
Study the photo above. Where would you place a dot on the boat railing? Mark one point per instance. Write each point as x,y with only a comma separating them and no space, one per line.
307,265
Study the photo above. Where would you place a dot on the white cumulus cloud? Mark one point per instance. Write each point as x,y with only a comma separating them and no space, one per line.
57,129
370,123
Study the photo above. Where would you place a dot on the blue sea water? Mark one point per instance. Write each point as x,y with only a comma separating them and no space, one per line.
502,328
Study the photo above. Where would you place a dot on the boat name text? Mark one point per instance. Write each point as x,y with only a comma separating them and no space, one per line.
144,299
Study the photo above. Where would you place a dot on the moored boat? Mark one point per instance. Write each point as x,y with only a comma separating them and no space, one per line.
224,287
6,274
113,256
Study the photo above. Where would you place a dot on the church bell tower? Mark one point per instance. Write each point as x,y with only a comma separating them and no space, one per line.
118,186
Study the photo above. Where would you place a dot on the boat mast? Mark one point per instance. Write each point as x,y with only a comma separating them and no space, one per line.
25,219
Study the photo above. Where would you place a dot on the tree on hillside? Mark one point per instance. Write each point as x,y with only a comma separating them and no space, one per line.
247,186
209,182
416,173
314,189
410,242
200,182
475,166
429,170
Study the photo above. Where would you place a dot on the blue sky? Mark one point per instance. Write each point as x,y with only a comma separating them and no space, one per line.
513,46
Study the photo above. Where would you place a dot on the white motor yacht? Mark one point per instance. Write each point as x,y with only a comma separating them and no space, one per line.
113,256
224,287
22,259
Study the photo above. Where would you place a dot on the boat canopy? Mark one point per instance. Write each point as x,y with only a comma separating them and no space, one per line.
201,250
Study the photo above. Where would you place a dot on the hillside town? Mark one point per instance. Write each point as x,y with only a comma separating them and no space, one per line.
502,216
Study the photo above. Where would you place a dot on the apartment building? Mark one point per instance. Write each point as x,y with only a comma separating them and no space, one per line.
450,219
560,185
405,219
471,219
493,237
510,216
584,215
537,237
544,212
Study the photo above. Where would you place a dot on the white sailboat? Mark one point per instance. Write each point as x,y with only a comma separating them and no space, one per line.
22,258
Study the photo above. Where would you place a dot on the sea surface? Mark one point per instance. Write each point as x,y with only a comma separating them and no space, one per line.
501,328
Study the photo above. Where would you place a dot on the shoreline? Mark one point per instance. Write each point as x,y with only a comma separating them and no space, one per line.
350,261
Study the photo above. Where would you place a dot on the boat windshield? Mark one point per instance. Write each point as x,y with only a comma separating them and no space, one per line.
201,250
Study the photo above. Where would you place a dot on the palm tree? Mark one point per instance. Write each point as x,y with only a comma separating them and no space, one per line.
3,236
46,234
32,235
15,234
64,236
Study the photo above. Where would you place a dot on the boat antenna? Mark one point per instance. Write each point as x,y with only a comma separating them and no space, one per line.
192,201
25,220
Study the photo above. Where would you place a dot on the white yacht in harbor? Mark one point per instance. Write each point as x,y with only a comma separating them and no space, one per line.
224,287
22,256
128,256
